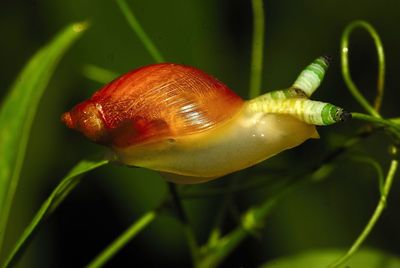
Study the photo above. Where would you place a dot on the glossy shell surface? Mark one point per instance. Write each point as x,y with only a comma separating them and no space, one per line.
153,103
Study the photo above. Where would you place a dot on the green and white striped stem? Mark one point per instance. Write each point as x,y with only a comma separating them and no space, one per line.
308,111
311,77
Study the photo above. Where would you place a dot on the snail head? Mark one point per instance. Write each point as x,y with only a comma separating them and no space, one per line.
87,119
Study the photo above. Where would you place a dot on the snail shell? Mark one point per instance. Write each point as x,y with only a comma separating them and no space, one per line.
192,128
152,103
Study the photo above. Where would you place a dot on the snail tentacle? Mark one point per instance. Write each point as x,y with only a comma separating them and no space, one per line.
311,77
284,94
308,111
306,83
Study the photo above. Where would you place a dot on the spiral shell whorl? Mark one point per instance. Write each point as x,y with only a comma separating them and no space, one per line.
161,101
87,118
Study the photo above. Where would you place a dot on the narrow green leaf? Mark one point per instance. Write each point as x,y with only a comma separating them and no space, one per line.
138,29
367,258
66,185
122,240
18,110
98,74
257,49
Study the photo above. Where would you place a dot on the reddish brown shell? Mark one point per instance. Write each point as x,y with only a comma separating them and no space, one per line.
152,103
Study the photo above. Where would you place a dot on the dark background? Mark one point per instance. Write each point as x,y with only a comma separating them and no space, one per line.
214,36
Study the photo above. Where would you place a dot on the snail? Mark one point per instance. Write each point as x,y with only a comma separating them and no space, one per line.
192,128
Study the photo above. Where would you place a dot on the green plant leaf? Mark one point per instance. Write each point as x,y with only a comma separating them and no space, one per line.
367,258
98,74
18,110
138,29
257,49
66,185
122,240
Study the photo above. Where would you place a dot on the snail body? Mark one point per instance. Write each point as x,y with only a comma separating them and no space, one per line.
192,128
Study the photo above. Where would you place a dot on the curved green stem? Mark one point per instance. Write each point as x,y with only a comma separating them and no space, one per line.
375,216
138,29
215,252
375,165
378,120
190,237
122,240
346,69
215,232
257,48
251,222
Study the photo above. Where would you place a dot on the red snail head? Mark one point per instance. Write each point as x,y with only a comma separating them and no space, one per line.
87,119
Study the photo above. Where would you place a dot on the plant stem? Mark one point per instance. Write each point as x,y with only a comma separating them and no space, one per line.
98,74
138,29
380,88
377,120
375,216
66,185
185,223
257,48
395,120
215,232
252,219
251,222
122,240
346,69
250,185
373,164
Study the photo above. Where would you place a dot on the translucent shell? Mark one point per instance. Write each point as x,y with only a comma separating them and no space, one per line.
153,103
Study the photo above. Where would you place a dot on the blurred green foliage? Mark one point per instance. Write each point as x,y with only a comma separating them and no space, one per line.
214,36
316,258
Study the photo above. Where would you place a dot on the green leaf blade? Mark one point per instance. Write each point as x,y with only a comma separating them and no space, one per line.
18,110
66,185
